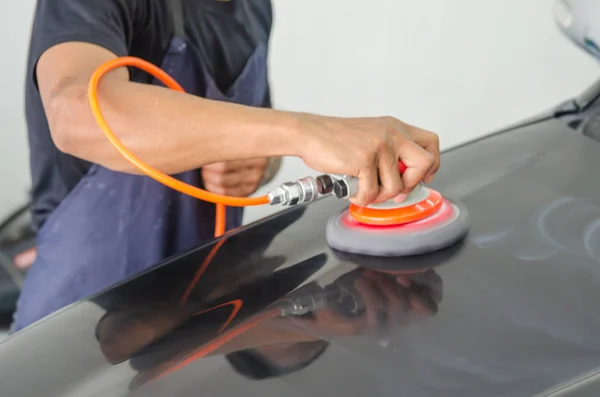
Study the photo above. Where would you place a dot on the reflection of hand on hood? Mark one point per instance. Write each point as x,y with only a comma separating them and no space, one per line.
280,345
367,302
277,359
360,302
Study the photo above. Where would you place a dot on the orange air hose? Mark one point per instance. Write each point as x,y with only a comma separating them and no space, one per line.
220,200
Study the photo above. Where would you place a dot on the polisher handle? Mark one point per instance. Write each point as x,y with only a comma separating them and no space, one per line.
401,167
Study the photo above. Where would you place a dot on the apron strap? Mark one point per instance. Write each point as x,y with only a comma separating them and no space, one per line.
176,10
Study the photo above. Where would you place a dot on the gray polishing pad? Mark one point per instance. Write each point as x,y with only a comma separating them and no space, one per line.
448,226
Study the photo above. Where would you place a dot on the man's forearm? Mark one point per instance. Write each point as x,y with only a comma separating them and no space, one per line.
171,131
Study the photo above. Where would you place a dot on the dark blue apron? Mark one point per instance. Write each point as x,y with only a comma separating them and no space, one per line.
113,225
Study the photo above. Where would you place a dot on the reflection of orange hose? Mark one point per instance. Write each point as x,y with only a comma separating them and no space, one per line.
237,306
219,200
200,272
219,341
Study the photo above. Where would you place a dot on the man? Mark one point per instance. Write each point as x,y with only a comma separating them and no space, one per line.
98,220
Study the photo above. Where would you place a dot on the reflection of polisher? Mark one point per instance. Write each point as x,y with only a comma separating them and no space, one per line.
340,296
343,298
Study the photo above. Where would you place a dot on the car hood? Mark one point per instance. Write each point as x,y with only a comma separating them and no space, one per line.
517,313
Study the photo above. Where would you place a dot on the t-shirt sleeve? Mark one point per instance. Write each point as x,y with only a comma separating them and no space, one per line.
106,23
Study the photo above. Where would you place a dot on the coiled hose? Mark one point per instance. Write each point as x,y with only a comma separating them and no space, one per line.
220,200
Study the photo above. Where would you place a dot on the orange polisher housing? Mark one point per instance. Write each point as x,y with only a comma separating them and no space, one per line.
398,216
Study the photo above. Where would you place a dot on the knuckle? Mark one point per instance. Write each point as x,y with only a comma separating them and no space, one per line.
381,147
390,190
370,194
401,141
389,120
216,189
256,178
218,179
412,181
426,159
410,184
221,167
365,158
396,190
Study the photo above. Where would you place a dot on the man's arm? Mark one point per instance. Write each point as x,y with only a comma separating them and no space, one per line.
171,131
175,132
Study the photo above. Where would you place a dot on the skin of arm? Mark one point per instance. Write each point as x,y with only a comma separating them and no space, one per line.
169,130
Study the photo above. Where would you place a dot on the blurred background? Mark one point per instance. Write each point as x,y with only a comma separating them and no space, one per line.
462,68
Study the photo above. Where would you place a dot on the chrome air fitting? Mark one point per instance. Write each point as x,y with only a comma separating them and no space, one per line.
345,186
302,191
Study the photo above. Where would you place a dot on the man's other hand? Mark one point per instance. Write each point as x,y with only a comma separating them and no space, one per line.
235,178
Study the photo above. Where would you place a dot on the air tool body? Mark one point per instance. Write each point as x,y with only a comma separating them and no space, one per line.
310,188
424,222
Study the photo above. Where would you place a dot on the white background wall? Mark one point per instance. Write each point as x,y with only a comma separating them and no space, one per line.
459,67
14,163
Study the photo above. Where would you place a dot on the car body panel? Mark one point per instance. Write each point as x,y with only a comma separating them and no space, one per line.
518,314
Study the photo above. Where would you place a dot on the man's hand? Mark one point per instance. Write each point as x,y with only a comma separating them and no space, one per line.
369,148
235,178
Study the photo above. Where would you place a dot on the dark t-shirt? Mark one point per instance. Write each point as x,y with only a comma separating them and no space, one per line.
225,33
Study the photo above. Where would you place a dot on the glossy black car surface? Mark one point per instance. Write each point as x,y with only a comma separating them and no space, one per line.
513,310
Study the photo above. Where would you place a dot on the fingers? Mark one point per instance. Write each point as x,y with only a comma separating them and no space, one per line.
403,281
375,307
225,166
389,178
235,165
426,292
435,284
419,163
379,179
368,186
422,303
240,184
330,322
234,178
431,143
243,190
249,176
397,300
